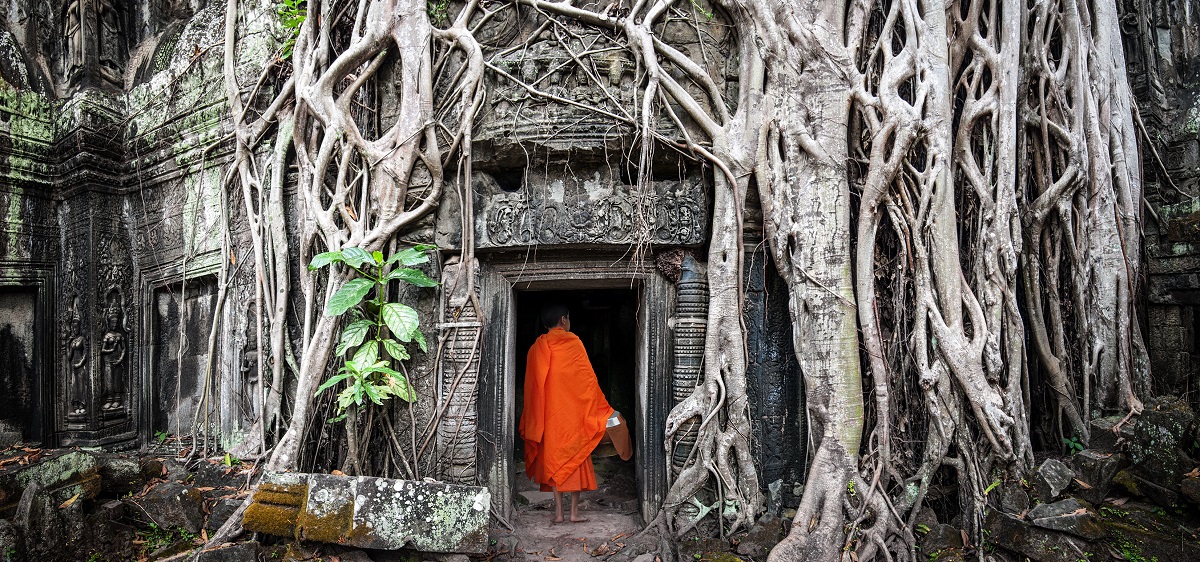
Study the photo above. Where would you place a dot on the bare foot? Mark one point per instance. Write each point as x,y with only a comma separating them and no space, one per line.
556,520
579,519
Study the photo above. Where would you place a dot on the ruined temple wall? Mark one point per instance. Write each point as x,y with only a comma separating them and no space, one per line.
1162,47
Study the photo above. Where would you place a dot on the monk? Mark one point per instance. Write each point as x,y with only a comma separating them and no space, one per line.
565,413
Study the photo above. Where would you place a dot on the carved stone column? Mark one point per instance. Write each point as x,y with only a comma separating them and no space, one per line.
459,378
691,325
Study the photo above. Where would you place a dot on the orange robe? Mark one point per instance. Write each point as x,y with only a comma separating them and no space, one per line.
564,415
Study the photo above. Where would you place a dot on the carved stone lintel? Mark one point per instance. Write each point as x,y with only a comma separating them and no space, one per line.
599,209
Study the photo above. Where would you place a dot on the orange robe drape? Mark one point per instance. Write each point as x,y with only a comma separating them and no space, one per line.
564,415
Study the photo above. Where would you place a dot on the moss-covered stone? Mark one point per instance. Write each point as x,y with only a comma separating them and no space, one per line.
367,512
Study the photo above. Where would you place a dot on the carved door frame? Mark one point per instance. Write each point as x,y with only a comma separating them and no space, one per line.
500,277
150,280
41,277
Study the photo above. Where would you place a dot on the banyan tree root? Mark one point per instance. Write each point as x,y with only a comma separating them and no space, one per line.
906,112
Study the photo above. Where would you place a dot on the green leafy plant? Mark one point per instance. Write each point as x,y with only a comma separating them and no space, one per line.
292,14
1073,444
375,338
230,460
160,436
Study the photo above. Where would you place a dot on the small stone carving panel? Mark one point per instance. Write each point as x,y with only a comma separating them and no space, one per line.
568,209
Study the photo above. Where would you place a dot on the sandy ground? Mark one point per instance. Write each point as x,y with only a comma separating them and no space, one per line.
612,511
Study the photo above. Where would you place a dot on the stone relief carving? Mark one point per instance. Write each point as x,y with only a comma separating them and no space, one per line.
75,345
595,210
73,31
113,352
248,366
95,53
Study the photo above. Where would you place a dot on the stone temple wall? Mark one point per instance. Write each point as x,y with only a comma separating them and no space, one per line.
1162,46
114,144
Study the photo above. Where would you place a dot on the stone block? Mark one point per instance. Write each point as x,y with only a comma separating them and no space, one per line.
1037,543
1158,438
1105,436
535,498
941,539
1096,469
222,510
1052,479
218,475
235,552
1013,499
1068,516
367,512
60,477
1139,486
172,504
1190,487
119,475
761,538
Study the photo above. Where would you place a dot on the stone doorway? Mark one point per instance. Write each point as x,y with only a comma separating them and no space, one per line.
637,297
21,418
605,319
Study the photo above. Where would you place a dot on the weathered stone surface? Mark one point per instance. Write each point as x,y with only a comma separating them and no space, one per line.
236,552
368,512
1135,484
1103,436
119,475
1040,545
222,509
11,541
1190,487
761,538
60,477
1013,499
1052,478
535,498
172,504
941,538
1156,446
1096,469
1068,516
218,475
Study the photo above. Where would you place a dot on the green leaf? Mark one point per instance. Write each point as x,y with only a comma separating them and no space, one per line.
395,350
368,354
324,259
411,276
401,388
355,257
420,339
412,256
373,393
348,296
332,381
401,319
353,335
378,257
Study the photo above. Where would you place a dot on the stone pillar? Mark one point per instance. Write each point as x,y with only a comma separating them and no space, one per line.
98,383
459,378
691,325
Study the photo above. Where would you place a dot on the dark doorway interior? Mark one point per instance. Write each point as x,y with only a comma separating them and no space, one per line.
21,418
606,321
